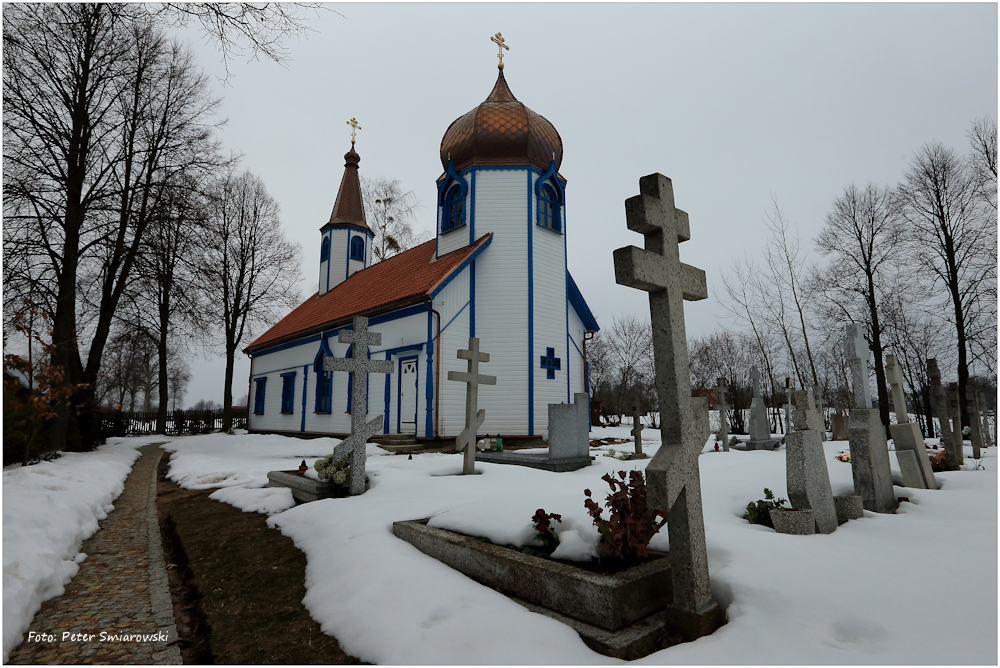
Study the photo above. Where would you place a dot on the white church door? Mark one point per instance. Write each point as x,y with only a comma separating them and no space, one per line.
408,396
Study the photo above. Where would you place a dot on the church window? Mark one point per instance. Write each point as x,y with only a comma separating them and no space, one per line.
287,393
258,395
548,208
358,248
324,253
324,381
453,212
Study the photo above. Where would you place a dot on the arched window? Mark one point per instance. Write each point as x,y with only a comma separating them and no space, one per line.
453,211
324,253
358,248
548,208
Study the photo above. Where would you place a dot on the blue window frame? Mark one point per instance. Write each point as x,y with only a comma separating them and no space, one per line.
358,248
548,208
324,253
260,385
288,393
453,211
324,390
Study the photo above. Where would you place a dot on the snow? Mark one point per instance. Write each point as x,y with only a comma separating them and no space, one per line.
49,509
919,586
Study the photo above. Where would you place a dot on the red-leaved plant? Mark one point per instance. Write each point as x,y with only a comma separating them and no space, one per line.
631,523
542,522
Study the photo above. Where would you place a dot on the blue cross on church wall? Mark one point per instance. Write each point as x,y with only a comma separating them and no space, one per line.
550,363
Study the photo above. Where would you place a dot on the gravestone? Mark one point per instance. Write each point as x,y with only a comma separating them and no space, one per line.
805,468
673,478
955,410
910,450
951,444
569,441
985,422
474,416
723,433
974,424
637,432
760,426
699,408
818,410
869,449
839,425
361,428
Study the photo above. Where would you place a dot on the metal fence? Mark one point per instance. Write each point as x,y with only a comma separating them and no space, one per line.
138,423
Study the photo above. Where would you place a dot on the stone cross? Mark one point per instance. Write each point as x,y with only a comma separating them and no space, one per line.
821,409
637,429
972,414
856,351
361,428
894,375
474,416
939,407
723,433
981,409
755,379
673,478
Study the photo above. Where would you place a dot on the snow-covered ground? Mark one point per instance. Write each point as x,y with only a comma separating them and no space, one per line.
49,509
919,586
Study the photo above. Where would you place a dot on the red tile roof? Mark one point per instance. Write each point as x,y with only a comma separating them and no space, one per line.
402,280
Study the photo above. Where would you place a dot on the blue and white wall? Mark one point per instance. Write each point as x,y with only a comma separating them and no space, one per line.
340,266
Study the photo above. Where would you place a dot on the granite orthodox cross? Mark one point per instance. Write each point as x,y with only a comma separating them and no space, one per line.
474,416
637,429
673,479
856,351
894,375
361,428
755,379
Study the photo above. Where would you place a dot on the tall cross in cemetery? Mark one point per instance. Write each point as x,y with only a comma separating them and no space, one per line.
755,380
361,428
354,128
499,41
856,351
953,450
894,375
474,416
720,403
636,432
673,479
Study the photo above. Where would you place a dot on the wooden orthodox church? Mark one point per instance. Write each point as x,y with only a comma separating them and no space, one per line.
496,270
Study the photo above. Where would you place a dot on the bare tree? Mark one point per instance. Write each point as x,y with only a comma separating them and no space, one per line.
862,238
250,271
953,238
629,348
390,213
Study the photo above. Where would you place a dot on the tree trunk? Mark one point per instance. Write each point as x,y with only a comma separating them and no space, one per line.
227,393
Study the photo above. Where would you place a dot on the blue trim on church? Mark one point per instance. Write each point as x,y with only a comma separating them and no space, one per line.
531,319
582,310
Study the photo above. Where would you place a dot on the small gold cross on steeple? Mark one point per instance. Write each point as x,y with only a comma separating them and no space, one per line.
354,128
499,41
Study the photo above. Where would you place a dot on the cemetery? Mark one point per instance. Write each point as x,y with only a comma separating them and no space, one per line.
444,459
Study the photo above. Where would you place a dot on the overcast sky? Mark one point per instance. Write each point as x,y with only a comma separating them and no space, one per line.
736,103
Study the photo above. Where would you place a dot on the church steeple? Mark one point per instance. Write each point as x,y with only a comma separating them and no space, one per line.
346,239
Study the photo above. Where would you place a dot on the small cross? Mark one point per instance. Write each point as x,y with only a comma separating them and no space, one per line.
755,379
360,365
474,416
550,363
354,128
637,429
894,375
856,351
499,41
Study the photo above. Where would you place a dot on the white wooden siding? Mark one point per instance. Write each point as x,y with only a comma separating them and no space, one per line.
502,297
577,366
453,305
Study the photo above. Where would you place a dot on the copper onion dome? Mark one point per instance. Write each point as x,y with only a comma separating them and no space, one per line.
501,131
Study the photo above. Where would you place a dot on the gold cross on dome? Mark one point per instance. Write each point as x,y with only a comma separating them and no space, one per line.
354,128
499,41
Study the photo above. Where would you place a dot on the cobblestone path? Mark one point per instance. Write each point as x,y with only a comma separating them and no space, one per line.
120,590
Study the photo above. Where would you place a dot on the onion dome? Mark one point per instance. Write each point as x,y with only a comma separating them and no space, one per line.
349,209
501,131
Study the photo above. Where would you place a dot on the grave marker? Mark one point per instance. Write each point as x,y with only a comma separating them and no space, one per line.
910,450
760,426
673,478
361,428
806,473
474,416
637,432
972,406
869,449
723,433
950,442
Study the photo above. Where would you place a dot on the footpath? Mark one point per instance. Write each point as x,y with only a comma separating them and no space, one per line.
117,609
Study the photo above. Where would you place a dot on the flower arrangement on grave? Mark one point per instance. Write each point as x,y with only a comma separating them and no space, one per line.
338,472
759,512
541,521
843,457
611,453
631,523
